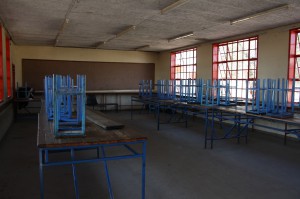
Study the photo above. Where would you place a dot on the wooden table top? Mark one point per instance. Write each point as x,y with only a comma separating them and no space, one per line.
94,135
241,110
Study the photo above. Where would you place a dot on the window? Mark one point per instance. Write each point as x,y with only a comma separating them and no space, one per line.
294,62
183,64
8,74
1,67
236,61
183,70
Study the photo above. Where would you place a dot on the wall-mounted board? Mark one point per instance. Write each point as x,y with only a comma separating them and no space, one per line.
100,75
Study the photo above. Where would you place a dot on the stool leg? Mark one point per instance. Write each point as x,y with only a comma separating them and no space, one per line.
74,175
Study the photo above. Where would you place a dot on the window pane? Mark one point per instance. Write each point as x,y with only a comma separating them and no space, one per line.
222,66
236,64
252,74
233,73
246,45
245,65
190,68
185,64
253,44
297,68
252,64
298,45
252,54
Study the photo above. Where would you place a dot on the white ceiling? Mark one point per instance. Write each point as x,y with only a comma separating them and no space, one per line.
88,23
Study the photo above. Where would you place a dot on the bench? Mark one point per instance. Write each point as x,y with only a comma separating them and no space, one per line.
101,120
92,101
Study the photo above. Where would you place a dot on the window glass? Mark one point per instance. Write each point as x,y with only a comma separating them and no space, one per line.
237,62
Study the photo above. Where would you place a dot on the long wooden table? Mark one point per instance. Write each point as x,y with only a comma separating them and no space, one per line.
96,140
241,120
175,106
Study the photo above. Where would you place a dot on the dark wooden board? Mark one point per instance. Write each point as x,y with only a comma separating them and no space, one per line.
100,75
94,135
101,120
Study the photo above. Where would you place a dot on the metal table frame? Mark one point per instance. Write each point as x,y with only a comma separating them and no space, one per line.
241,120
97,140
174,106
100,156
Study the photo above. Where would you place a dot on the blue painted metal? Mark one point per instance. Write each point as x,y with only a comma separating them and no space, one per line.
209,93
61,94
145,88
224,90
48,91
199,91
259,98
44,162
270,97
75,181
111,195
238,127
166,89
188,91
278,98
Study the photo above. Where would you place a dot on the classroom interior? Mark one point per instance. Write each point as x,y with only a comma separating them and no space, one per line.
119,43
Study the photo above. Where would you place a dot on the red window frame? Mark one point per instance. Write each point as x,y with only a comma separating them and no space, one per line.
294,62
236,61
1,67
8,66
183,64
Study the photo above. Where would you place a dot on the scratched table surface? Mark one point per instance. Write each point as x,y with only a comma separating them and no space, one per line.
241,110
94,135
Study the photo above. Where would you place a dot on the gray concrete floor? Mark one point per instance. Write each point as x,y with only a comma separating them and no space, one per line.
177,167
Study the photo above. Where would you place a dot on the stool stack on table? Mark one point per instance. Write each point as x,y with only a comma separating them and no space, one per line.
61,128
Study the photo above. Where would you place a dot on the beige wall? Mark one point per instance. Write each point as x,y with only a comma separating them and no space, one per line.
273,46
272,55
77,54
162,71
204,61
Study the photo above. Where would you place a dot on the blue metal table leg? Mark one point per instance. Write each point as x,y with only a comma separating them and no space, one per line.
206,128
74,175
41,174
111,195
144,171
212,135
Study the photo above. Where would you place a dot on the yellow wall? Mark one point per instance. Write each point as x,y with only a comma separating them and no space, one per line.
77,54
204,61
162,71
273,46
